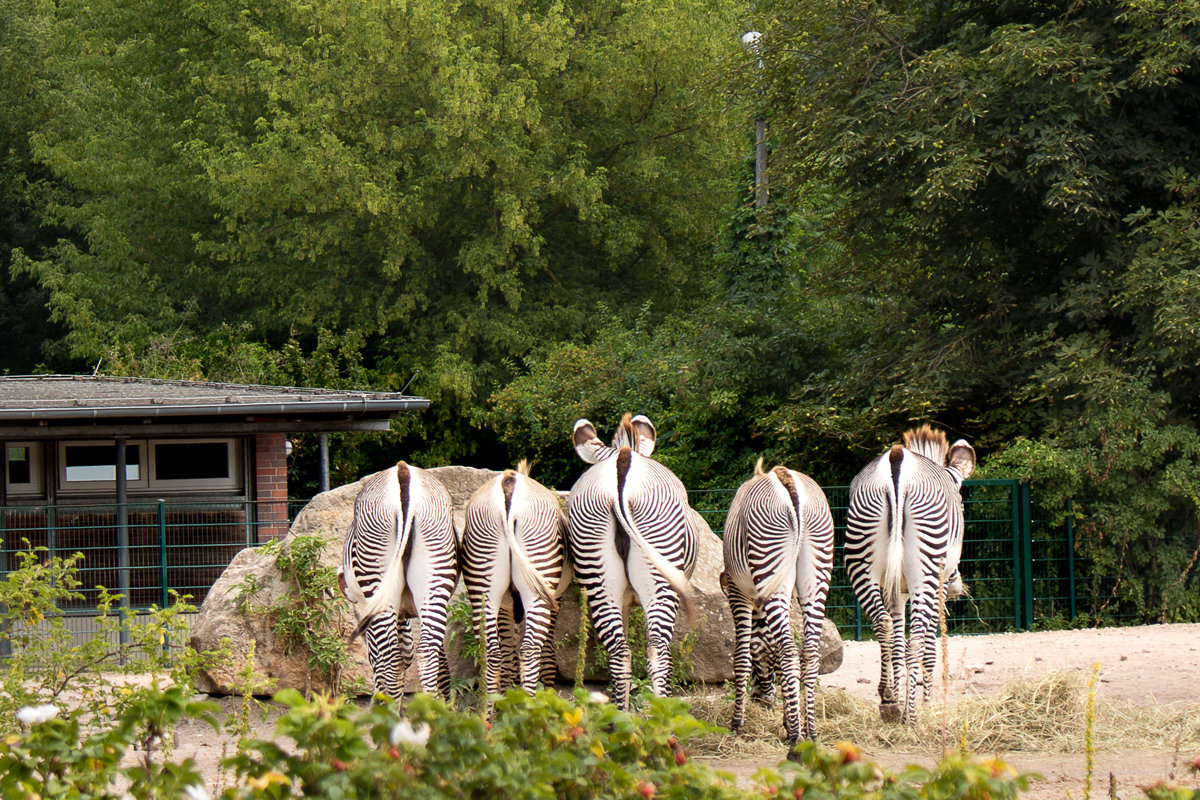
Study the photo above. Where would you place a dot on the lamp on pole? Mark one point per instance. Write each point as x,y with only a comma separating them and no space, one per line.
750,40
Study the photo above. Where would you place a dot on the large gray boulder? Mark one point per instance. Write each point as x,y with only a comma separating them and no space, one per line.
231,613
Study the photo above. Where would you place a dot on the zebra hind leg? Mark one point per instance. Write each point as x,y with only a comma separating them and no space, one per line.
882,622
510,665
539,620
385,654
743,613
488,628
432,665
610,631
764,660
921,652
777,619
660,624
810,663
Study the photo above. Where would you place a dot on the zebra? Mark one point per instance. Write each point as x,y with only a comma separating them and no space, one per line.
778,542
904,537
514,565
400,561
629,534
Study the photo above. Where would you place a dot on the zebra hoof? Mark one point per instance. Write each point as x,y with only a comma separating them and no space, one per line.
794,752
764,699
891,712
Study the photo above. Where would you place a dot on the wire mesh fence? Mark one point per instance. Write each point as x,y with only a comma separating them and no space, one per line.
145,551
1020,567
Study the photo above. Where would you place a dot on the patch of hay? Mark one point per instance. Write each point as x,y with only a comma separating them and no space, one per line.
1047,713
761,736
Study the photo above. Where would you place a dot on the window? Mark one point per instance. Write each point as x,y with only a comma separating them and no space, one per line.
153,465
196,464
23,469
85,466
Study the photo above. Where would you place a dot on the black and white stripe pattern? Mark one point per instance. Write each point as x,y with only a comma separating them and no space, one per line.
778,543
629,535
400,562
514,567
904,537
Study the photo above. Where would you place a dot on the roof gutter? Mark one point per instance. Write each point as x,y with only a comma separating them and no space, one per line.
357,407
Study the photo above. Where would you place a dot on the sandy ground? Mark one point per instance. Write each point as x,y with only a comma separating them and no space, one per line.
1153,664
1158,664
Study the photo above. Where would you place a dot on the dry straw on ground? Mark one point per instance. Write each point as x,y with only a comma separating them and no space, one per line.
1047,713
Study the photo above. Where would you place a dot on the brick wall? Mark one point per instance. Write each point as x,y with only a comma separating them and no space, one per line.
270,484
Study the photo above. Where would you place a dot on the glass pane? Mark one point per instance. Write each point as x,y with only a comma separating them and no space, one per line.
19,471
191,461
99,462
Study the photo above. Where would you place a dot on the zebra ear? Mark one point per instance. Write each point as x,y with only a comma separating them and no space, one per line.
587,443
645,435
962,458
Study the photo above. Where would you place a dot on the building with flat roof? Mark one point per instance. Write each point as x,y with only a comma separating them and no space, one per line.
159,482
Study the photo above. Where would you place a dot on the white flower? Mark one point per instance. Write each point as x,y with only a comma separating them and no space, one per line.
34,715
196,792
404,733
599,698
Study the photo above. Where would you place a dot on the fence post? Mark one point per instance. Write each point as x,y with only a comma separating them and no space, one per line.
1071,557
1027,548
5,642
162,548
123,544
1014,513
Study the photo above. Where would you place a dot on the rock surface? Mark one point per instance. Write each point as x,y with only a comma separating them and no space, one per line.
230,612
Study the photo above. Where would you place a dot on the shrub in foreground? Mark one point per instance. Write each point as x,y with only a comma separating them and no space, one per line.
543,746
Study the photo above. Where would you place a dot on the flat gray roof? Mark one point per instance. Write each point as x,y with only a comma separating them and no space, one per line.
72,400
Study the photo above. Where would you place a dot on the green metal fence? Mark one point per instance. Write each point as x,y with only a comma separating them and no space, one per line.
144,550
1020,570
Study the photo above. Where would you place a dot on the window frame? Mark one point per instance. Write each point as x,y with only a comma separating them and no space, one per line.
37,477
146,483
236,480
105,486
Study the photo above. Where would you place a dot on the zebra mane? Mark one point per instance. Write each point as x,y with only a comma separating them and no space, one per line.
625,435
523,467
636,433
927,442
758,470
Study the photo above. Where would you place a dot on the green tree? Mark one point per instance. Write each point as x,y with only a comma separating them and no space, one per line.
1018,216
23,316
451,184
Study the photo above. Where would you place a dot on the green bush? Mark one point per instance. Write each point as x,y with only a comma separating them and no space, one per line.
44,664
542,746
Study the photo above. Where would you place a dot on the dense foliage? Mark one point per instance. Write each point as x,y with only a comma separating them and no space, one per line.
981,215
1019,213
435,187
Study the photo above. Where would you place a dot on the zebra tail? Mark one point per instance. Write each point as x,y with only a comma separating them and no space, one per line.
673,575
785,479
392,584
893,573
535,579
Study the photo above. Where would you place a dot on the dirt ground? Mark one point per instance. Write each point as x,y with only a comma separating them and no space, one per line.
1158,664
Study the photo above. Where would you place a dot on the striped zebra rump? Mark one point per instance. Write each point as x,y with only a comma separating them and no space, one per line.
400,561
904,537
515,569
629,535
778,544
